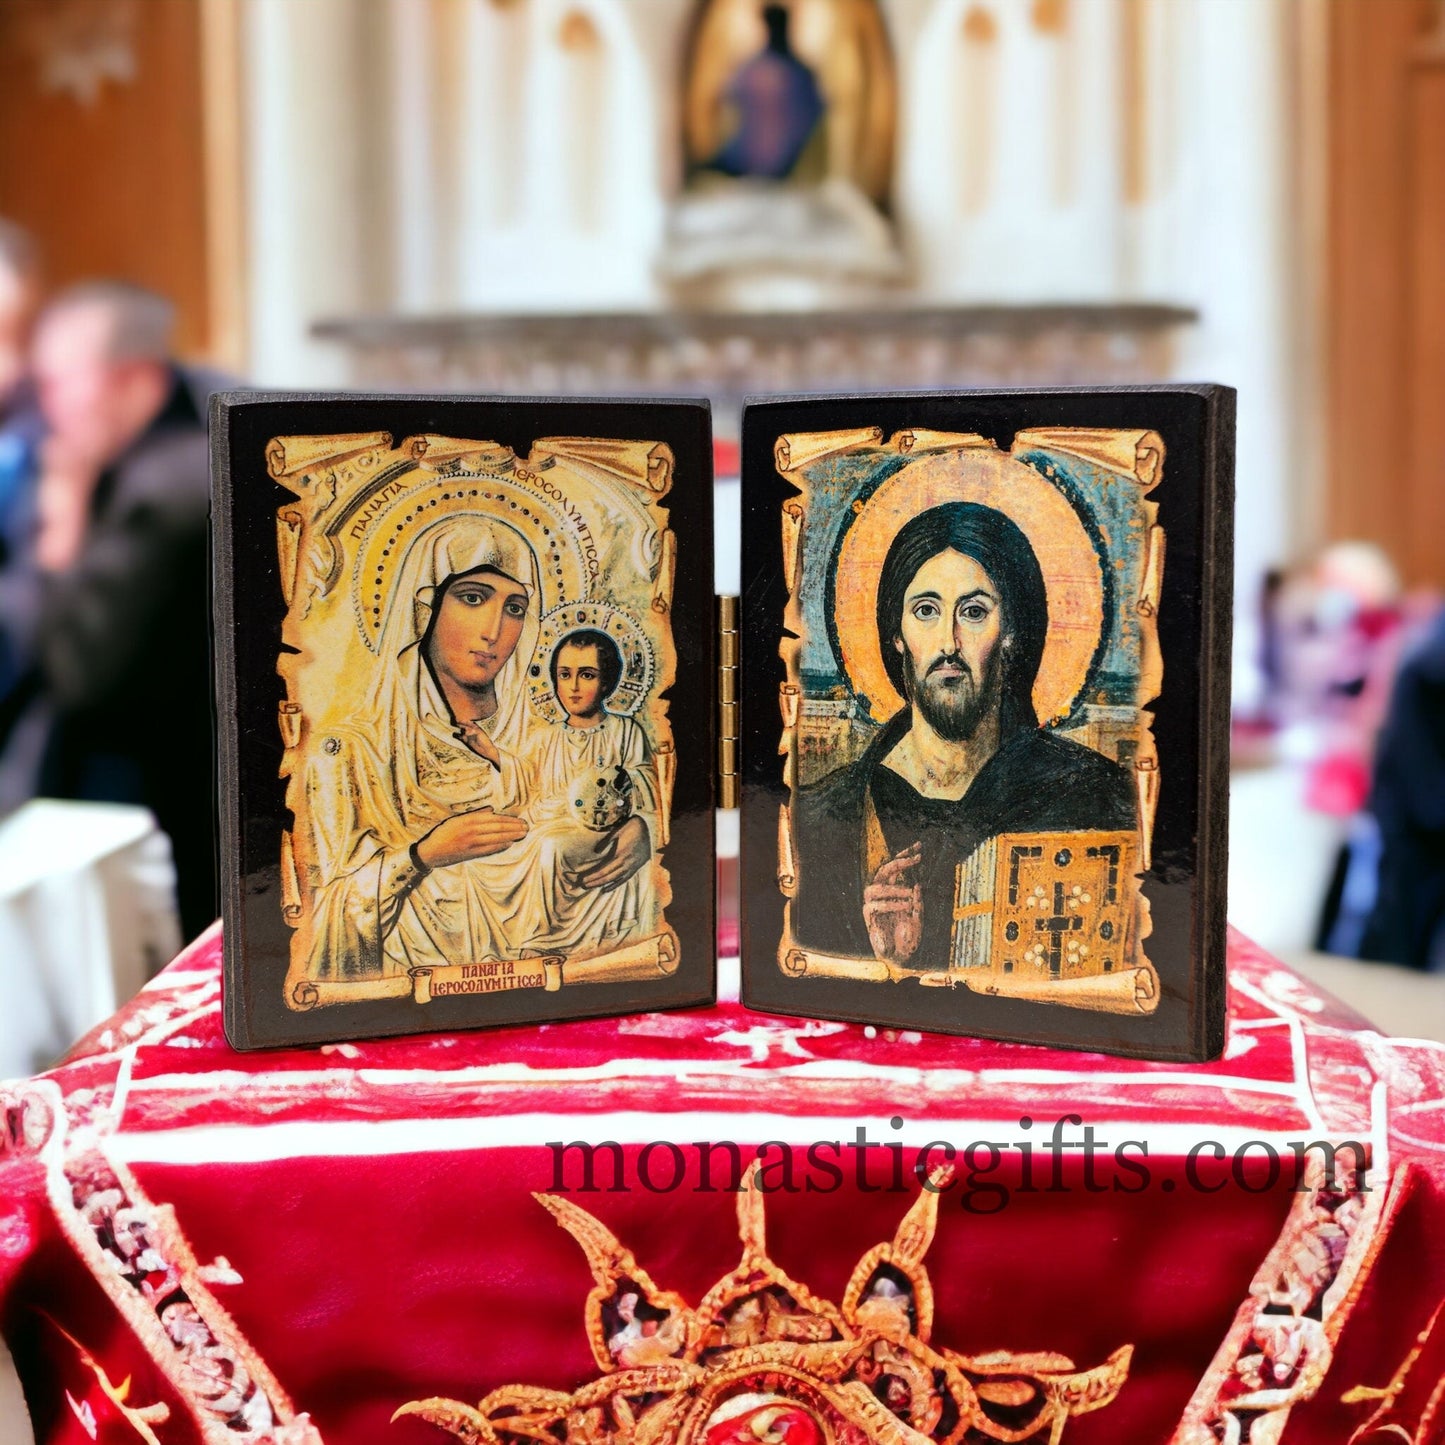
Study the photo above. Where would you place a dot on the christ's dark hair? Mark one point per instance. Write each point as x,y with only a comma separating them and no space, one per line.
609,657
996,543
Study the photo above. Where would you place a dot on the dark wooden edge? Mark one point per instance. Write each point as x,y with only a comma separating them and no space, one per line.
223,659
1214,719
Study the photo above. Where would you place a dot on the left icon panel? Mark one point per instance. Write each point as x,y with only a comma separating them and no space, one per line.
478,811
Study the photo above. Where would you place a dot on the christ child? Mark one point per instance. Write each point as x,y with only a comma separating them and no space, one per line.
592,773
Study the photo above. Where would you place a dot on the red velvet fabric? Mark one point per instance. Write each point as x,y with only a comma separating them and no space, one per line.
373,1203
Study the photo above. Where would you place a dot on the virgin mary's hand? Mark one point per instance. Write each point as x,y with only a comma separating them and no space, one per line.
480,742
621,856
469,835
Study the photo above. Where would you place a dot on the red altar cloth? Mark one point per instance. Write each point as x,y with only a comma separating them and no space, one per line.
291,1246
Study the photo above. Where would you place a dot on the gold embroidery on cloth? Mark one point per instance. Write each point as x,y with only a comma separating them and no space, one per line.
1281,1344
136,1252
762,1359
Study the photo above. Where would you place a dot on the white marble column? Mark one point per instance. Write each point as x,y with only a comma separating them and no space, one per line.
1234,256
316,221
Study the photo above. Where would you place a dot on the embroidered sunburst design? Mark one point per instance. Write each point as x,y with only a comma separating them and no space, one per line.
763,1361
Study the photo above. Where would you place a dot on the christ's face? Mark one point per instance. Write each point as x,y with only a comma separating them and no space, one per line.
949,637
477,627
579,680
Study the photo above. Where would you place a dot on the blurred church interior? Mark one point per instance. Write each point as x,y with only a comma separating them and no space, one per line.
718,197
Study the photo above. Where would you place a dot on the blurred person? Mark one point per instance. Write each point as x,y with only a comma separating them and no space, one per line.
1335,630
122,636
1345,623
1407,924
1335,621
19,441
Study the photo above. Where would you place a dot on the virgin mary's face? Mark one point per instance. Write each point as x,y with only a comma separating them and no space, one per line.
477,627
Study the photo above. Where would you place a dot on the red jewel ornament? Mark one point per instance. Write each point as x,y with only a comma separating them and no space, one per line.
775,1423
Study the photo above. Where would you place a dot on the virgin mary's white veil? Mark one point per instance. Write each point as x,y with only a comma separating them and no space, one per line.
433,771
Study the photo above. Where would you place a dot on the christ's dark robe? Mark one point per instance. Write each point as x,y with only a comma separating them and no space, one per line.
1037,782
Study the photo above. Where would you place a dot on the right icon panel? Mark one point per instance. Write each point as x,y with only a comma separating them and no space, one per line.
970,650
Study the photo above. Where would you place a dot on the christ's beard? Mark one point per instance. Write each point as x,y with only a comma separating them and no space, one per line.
955,706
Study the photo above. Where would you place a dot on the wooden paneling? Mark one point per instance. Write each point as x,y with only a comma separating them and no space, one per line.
1385,300
110,176
1427,318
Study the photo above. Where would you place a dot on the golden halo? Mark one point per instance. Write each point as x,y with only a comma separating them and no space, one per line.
424,497
639,667
1073,576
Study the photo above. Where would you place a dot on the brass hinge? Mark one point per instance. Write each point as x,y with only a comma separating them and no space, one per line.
727,693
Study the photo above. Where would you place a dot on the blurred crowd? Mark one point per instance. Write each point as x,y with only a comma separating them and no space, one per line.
1354,666
105,680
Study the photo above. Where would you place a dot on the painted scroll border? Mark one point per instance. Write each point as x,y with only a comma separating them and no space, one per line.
1140,453
334,476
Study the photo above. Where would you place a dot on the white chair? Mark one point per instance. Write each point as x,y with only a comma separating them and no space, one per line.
87,915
